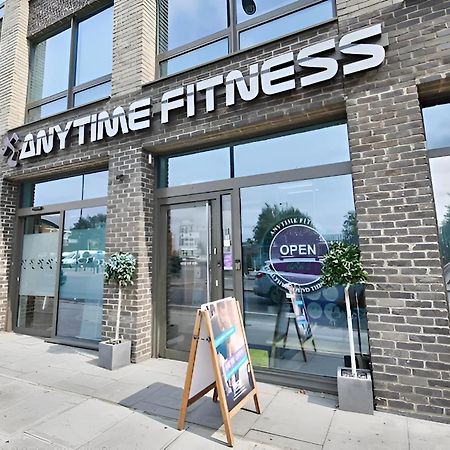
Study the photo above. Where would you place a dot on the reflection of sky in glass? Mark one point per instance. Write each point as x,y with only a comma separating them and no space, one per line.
190,20
310,148
198,168
437,131
48,109
287,24
94,51
92,94
262,7
71,189
50,66
440,170
325,200
195,57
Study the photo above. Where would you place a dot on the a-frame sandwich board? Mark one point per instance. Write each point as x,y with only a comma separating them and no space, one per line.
232,378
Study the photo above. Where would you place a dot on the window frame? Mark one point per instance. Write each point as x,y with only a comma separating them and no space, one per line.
233,31
71,90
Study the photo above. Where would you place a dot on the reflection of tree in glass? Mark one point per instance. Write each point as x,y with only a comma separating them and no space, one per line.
270,216
97,221
88,233
349,229
445,236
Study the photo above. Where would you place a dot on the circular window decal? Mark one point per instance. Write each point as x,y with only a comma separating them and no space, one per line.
314,310
296,253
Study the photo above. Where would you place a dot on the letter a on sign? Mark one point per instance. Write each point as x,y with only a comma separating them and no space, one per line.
220,360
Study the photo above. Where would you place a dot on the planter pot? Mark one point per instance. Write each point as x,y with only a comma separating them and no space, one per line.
113,355
355,394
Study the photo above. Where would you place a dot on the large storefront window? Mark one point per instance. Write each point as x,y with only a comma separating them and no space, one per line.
293,151
196,32
60,291
325,208
63,75
224,212
438,144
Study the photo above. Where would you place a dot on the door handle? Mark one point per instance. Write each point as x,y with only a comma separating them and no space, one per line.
237,264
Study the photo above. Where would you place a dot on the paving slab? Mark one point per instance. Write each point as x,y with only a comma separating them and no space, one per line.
34,407
353,431
82,383
80,424
24,441
137,431
428,435
197,437
280,442
297,416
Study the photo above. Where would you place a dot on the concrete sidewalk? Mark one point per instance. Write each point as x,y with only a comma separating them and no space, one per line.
54,397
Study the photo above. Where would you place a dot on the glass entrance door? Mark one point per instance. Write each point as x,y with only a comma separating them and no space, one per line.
38,273
198,260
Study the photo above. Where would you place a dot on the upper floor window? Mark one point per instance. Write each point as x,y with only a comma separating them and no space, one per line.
72,67
196,32
2,8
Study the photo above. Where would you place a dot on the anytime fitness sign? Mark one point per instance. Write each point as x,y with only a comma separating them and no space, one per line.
273,76
295,254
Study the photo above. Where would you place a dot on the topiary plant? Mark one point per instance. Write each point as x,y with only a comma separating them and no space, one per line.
120,269
342,266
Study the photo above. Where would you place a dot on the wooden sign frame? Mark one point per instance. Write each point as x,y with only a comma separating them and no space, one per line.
202,343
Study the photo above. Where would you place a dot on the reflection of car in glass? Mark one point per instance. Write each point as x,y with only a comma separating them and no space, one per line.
83,258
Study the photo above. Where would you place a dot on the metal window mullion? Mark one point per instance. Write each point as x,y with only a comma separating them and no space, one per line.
233,44
210,39
438,152
72,62
92,83
46,100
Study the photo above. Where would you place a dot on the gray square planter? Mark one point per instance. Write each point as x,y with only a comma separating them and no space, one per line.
355,394
113,356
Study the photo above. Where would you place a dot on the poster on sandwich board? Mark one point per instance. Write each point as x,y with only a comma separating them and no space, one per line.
219,359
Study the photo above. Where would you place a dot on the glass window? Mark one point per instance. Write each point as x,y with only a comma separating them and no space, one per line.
195,57
80,304
80,187
2,8
297,21
92,94
181,21
47,109
437,131
183,26
195,168
440,169
325,209
305,149
50,66
94,47
244,8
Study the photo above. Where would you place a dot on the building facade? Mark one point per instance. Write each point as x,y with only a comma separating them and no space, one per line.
193,134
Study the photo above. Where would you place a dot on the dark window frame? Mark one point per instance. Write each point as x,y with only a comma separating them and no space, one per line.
71,90
233,31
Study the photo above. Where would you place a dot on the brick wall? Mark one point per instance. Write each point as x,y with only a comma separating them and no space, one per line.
406,299
134,45
13,64
47,15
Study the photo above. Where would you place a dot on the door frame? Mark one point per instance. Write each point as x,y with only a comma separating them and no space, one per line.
160,276
22,214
